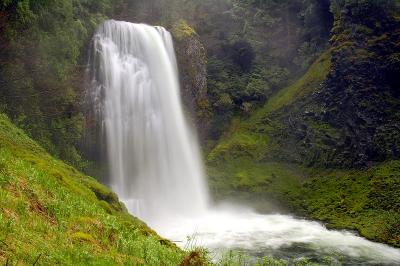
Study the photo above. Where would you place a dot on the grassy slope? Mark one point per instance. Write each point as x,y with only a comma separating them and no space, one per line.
250,137
243,165
238,162
52,213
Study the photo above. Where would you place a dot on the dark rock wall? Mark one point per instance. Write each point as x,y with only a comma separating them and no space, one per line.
352,120
360,97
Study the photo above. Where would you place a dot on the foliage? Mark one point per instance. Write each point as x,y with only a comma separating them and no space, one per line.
182,30
41,72
243,54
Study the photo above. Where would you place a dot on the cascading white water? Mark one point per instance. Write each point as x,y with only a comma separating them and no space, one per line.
155,164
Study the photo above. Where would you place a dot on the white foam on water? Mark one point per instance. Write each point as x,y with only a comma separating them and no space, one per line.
221,230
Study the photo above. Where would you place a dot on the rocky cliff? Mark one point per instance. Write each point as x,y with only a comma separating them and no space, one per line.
192,63
351,119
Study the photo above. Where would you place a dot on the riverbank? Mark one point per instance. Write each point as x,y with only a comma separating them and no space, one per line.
365,201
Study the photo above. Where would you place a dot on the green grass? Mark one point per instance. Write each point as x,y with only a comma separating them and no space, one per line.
253,178
305,85
364,200
53,214
232,258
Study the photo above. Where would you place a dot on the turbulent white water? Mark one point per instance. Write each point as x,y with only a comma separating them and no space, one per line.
281,236
155,164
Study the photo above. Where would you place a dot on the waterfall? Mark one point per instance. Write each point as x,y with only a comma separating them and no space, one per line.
156,169
154,159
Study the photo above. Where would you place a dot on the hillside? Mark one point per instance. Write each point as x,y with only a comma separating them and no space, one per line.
326,147
52,214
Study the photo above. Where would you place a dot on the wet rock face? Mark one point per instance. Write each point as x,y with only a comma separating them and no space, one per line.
352,119
359,96
192,63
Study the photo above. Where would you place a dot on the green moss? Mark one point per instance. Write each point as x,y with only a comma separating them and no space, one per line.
363,200
247,179
181,30
362,29
104,194
82,237
50,209
378,39
367,201
307,84
250,137
240,145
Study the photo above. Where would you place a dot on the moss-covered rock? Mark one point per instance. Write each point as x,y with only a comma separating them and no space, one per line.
265,135
359,97
192,62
